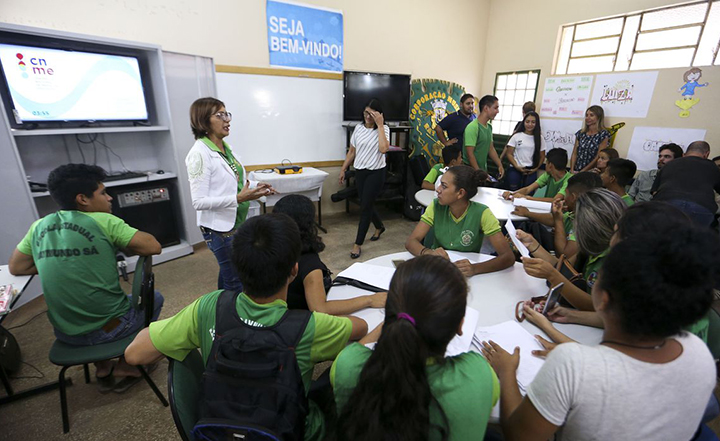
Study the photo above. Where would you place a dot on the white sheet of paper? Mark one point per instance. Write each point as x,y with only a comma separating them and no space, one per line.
461,343
374,275
512,232
539,206
473,258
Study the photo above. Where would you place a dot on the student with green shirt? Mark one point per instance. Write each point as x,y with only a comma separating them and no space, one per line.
460,224
478,137
617,175
452,156
555,179
73,250
265,253
597,212
406,388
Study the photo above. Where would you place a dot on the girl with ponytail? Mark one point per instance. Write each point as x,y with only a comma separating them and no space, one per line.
460,224
406,389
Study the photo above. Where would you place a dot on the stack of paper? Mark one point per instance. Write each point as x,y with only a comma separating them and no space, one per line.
374,275
539,206
6,297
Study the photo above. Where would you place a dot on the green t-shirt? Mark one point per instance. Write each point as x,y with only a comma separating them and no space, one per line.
592,267
627,199
701,327
480,137
434,173
74,253
465,233
242,209
194,327
569,224
465,386
553,187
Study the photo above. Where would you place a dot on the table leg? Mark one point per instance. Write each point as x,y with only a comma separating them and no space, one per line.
319,222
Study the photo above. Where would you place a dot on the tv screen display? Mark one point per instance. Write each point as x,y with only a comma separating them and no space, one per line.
60,85
393,91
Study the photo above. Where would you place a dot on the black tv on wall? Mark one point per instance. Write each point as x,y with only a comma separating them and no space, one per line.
393,91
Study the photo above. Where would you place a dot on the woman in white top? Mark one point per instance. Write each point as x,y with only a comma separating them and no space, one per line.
526,152
219,187
646,379
368,145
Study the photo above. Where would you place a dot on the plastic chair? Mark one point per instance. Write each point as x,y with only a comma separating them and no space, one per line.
184,392
65,355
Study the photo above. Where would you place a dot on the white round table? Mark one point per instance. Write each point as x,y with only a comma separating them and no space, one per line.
491,197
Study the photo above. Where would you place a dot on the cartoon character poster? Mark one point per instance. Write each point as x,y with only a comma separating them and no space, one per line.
687,90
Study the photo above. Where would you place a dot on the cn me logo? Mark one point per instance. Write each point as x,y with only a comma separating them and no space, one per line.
39,66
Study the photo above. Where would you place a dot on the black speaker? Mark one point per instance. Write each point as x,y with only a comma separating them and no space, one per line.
9,351
149,207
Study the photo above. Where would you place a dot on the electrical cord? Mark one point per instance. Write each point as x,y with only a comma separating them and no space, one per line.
28,321
21,377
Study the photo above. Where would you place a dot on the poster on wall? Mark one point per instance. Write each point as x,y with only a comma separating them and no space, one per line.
560,133
646,143
626,94
304,37
566,97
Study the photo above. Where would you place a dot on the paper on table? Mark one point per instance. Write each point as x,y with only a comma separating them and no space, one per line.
473,258
512,232
374,275
535,205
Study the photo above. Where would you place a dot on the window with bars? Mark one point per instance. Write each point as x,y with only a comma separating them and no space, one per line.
673,36
513,89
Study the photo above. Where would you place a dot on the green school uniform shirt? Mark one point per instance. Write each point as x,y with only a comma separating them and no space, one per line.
480,137
74,253
194,327
464,233
592,267
243,207
627,199
465,386
569,224
700,328
553,187
434,173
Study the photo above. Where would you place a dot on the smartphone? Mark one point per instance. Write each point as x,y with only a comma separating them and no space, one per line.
397,262
553,298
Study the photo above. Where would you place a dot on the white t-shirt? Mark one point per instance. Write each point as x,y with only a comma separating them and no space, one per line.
367,153
525,148
598,393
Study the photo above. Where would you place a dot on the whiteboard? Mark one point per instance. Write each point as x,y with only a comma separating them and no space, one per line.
278,117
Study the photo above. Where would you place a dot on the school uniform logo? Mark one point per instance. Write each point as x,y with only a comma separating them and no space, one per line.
592,278
466,237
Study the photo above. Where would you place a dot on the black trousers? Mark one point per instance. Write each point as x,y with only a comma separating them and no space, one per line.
369,184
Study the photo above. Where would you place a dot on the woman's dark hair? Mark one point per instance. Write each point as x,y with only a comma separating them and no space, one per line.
301,209
661,281
200,112
537,136
70,180
264,251
468,179
376,105
648,216
392,399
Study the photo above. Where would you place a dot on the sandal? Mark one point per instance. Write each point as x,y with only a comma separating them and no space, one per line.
107,383
126,383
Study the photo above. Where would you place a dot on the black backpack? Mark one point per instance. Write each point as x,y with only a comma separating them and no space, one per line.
252,388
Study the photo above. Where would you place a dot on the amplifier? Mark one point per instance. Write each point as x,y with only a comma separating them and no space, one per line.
149,208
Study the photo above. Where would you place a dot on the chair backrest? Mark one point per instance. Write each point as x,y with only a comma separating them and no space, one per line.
184,390
419,168
143,292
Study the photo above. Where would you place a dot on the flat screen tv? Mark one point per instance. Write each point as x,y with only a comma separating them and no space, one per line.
55,85
392,90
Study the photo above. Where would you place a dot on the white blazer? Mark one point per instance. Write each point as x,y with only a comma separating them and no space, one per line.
213,187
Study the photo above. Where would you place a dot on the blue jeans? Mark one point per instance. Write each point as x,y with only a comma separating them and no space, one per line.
130,323
700,215
222,249
517,180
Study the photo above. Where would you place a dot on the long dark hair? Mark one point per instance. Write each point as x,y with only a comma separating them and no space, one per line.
537,136
392,398
301,209
375,105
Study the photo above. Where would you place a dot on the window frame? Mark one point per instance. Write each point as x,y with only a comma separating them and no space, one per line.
516,72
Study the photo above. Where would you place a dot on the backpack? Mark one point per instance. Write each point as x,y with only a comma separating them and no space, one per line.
252,387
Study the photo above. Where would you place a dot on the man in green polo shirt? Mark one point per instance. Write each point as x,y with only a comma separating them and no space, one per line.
555,178
478,137
265,253
617,176
73,250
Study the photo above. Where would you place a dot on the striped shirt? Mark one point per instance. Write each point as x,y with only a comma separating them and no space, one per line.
367,154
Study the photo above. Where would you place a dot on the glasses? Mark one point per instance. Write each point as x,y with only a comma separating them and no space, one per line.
225,116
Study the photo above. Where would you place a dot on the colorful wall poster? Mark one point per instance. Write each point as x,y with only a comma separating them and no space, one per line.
626,94
566,97
646,143
305,37
560,133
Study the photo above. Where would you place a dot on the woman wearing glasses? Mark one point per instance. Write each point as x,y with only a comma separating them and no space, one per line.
220,190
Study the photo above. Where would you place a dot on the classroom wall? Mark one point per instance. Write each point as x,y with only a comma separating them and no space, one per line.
523,35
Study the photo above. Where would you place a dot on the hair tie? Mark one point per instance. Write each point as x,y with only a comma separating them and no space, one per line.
407,317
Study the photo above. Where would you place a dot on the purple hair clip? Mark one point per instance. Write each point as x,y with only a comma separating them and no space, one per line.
407,317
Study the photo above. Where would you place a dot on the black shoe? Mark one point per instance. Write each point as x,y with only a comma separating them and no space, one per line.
374,238
355,255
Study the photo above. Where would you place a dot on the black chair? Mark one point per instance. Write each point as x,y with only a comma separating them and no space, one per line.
65,355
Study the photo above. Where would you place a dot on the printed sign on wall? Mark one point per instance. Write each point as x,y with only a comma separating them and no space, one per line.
305,37
624,94
566,97
560,133
646,143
